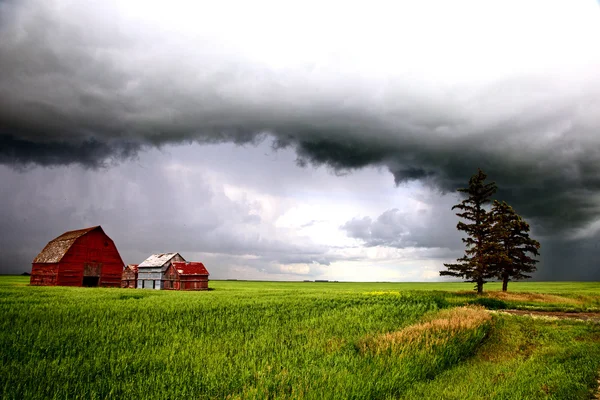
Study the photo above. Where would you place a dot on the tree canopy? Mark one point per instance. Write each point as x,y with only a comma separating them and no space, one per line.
511,234
473,266
497,241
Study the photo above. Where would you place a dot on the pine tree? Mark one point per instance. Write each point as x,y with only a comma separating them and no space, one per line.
474,266
513,244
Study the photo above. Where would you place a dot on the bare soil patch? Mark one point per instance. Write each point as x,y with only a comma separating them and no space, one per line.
533,297
586,316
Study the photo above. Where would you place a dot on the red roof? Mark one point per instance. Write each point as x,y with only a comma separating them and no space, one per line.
190,268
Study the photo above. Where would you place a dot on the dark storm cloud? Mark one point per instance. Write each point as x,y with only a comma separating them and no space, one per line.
570,259
91,153
90,85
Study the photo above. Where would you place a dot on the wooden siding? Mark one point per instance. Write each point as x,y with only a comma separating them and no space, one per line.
173,280
92,255
177,258
43,274
154,277
150,278
92,260
129,277
128,283
193,283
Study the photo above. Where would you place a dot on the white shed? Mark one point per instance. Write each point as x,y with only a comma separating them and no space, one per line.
151,270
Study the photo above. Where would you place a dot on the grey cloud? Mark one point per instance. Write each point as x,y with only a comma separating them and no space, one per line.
388,230
77,88
432,228
145,208
432,232
359,228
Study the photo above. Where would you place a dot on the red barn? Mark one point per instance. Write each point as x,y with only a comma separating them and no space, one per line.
186,276
130,276
85,257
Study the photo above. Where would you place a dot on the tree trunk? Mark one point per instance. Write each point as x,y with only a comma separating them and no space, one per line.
505,283
479,286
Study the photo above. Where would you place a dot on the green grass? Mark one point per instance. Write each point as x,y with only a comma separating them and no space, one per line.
523,358
562,288
282,340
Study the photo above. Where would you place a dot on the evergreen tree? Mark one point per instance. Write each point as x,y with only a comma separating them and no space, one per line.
474,266
513,244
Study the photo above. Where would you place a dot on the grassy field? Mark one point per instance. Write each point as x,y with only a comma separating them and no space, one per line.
297,340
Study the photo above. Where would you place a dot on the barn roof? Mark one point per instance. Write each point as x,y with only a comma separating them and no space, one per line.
56,249
191,268
133,267
158,260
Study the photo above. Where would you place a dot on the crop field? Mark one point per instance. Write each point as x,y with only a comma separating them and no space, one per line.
245,340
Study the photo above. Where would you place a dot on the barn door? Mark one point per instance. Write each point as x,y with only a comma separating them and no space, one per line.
91,274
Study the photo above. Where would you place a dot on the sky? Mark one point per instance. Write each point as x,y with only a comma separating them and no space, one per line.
299,140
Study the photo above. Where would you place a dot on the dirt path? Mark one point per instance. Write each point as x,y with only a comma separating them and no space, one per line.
586,316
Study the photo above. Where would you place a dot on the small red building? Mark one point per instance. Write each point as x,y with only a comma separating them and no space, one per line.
85,257
186,276
130,276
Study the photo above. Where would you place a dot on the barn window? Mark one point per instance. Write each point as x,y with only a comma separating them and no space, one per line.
105,243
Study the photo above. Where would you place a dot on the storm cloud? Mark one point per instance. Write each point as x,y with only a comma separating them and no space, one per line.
150,206
430,92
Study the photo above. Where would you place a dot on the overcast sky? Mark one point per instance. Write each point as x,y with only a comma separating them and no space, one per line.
309,140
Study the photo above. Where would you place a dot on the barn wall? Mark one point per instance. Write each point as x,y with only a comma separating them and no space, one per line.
129,279
92,254
171,279
149,278
193,282
129,274
129,284
177,258
154,277
43,274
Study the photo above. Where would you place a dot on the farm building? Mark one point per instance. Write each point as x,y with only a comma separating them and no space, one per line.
130,276
84,257
151,270
186,276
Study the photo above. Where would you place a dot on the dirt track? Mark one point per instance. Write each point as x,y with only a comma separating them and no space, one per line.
586,316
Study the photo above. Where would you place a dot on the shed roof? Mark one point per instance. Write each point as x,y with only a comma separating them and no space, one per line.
133,267
158,260
190,268
56,249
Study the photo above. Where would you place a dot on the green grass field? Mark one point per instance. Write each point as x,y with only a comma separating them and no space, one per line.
297,340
